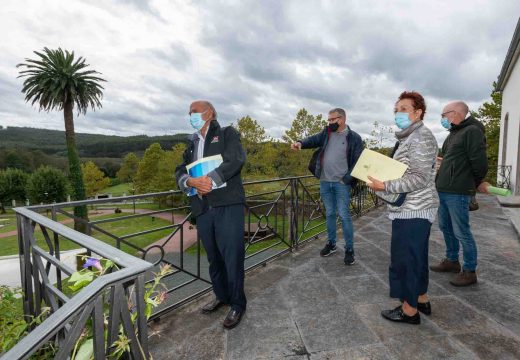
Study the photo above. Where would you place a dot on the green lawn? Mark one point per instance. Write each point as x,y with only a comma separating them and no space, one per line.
257,246
130,205
130,226
9,245
118,190
8,221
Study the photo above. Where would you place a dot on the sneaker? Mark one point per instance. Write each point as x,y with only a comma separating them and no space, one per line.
464,278
349,257
446,266
328,249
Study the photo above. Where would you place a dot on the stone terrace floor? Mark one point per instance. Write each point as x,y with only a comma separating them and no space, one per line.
302,306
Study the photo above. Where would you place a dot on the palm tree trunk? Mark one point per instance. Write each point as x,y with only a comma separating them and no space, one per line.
76,177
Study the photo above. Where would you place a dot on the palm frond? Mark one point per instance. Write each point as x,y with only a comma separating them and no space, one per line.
56,76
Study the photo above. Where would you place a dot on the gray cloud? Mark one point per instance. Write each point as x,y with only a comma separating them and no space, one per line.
264,59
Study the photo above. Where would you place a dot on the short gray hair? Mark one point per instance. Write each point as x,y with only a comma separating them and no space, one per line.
461,107
340,111
210,105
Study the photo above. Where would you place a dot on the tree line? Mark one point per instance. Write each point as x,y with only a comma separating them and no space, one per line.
52,142
154,170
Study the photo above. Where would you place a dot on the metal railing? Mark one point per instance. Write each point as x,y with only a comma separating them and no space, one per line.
68,317
281,215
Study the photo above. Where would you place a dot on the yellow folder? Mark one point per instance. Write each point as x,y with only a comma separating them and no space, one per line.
378,166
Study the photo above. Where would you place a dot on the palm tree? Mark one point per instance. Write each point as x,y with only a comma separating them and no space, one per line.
56,81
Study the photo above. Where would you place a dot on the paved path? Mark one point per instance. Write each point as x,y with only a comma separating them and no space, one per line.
302,306
173,244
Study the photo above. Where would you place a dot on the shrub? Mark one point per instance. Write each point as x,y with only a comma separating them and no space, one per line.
47,184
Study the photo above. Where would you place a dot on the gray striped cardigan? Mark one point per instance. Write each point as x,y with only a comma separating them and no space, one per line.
417,149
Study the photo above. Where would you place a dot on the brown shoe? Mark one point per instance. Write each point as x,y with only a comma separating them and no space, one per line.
233,318
464,278
212,306
446,266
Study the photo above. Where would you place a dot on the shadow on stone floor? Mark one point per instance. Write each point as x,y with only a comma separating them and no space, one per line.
301,306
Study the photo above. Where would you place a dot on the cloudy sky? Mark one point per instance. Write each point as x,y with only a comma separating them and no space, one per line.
266,59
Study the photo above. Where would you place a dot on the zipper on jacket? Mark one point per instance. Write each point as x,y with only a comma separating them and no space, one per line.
451,174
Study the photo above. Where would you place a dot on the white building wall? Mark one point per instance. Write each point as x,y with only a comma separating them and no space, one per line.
511,106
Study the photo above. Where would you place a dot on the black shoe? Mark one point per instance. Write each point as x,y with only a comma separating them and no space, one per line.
233,318
212,306
398,315
349,257
425,308
328,249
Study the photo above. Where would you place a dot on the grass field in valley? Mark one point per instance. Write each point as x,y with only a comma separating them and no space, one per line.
9,245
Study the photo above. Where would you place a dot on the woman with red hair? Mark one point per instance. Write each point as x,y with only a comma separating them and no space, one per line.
412,210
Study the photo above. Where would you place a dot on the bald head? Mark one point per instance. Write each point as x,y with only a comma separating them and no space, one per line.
455,111
205,107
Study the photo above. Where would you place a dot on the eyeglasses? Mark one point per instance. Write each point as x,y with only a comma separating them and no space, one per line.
446,113
334,118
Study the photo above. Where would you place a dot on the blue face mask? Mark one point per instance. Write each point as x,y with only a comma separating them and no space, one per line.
402,120
445,123
196,121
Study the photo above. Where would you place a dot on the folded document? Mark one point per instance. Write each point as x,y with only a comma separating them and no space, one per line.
379,166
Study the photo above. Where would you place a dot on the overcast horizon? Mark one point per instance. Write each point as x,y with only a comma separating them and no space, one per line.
263,59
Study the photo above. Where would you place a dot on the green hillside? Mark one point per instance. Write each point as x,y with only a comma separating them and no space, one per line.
52,142
29,148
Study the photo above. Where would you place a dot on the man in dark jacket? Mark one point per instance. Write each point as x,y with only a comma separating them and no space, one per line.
218,207
340,150
461,174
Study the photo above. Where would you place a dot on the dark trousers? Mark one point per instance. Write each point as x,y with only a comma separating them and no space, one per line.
408,273
221,230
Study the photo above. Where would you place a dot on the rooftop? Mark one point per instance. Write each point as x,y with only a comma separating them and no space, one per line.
302,306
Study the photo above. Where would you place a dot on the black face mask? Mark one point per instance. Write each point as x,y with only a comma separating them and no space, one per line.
334,127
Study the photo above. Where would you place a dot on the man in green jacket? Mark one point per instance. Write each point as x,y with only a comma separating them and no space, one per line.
461,174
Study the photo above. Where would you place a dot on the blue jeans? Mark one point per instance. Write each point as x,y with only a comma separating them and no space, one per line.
337,195
454,224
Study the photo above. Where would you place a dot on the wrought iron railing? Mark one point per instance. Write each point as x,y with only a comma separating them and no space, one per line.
281,214
69,316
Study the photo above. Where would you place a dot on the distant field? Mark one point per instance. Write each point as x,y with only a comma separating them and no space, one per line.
118,190
9,245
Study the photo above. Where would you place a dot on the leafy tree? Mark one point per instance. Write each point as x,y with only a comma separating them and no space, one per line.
18,159
47,185
489,114
93,178
177,151
380,136
58,81
295,162
164,179
251,133
148,168
12,186
128,170
304,125
255,142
